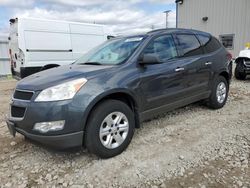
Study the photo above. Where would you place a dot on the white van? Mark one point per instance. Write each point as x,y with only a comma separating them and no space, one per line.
37,44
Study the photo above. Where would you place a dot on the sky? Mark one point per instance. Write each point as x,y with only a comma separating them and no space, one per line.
122,16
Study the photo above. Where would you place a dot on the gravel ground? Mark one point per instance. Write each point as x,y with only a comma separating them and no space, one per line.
189,147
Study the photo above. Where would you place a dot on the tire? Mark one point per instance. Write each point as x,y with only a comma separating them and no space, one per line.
101,119
214,101
239,72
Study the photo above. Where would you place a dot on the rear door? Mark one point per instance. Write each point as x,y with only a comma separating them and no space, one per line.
212,57
14,46
197,77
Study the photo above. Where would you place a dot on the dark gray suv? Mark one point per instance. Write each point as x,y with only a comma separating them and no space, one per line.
100,99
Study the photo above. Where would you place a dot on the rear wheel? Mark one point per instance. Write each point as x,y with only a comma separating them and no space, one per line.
219,93
239,72
110,129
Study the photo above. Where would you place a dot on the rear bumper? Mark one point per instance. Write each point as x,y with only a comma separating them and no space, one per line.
61,142
230,71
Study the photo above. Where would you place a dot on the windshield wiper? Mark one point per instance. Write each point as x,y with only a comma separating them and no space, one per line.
91,63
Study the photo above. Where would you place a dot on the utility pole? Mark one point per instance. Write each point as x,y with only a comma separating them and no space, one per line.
177,12
167,14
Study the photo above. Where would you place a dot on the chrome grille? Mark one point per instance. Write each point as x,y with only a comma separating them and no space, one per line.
247,63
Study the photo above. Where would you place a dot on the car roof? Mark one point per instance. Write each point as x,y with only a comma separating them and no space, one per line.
176,30
165,31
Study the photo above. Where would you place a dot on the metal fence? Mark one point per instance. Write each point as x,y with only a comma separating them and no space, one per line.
4,56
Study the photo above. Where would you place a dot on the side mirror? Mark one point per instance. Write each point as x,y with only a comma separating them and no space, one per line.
149,59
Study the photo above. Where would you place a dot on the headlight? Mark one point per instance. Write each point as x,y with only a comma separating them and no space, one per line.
63,91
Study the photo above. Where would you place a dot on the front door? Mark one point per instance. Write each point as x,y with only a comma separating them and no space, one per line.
163,83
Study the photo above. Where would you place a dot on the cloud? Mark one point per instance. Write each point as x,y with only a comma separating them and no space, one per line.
15,3
162,1
75,2
100,2
121,21
85,3
124,17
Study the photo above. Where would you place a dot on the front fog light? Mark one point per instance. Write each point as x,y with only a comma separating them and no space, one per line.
45,127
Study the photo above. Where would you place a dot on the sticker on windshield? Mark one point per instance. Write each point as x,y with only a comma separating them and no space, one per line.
135,39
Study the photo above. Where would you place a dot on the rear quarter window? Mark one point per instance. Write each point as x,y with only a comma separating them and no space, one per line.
189,45
210,43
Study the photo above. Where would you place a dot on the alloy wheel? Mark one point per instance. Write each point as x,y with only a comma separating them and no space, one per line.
221,92
114,130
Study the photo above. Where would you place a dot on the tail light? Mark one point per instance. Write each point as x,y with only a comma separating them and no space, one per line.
229,56
10,53
11,59
21,56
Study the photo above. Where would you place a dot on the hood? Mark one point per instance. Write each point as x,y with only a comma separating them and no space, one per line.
245,53
58,75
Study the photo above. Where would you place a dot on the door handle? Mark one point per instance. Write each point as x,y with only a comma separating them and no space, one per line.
208,63
179,69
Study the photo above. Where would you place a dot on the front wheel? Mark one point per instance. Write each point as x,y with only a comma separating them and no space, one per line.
219,93
110,129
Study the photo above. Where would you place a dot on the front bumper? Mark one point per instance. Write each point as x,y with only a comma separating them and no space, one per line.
247,70
72,134
243,67
64,141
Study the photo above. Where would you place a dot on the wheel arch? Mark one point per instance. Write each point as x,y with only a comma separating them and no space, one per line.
239,59
226,75
121,95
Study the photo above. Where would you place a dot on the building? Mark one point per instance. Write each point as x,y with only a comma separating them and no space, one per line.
4,56
228,20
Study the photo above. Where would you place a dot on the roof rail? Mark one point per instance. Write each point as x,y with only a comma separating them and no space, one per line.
157,30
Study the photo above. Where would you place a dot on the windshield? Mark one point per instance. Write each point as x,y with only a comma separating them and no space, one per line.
112,52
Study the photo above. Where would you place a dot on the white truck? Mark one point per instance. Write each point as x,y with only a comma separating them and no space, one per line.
37,44
243,64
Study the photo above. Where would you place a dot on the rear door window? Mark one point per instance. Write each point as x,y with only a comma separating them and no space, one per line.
189,45
209,43
163,47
